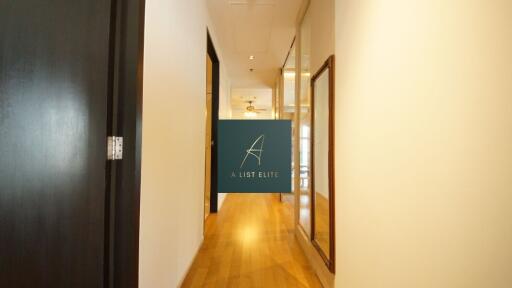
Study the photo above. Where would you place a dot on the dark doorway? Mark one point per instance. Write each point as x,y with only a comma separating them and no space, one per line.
215,117
70,75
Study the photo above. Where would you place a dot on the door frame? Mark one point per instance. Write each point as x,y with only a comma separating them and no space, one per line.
122,206
210,49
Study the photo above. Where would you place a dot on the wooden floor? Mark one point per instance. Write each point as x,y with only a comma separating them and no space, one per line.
251,243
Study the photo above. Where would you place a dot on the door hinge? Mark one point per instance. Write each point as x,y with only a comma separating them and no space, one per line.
115,148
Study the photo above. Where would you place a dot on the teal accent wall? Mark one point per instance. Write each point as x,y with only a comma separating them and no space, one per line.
266,168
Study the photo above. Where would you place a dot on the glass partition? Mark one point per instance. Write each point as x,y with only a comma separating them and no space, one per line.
305,125
287,109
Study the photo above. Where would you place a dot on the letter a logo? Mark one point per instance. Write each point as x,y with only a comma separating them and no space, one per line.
253,151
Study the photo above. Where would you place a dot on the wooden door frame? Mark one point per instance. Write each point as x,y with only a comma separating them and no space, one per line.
210,49
208,142
125,104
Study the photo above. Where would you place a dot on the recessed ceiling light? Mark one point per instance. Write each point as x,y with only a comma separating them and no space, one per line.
251,57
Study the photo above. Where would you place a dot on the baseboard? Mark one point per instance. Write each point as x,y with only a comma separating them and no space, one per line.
189,266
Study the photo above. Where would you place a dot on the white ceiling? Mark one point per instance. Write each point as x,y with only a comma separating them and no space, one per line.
263,28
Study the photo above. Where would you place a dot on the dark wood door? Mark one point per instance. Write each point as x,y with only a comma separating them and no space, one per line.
54,87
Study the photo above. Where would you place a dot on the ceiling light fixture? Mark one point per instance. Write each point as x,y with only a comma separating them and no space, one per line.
251,57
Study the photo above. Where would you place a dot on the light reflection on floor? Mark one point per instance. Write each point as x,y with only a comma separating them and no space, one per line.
248,234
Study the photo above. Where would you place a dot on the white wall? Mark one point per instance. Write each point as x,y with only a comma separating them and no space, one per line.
424,143
171,225
225,111
224,90
322,32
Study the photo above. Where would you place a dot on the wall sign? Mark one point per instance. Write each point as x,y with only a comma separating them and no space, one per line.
254,156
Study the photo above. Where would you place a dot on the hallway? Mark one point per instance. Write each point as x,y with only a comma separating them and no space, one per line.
251,243
256,143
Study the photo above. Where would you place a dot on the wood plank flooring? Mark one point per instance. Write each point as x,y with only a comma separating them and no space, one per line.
251,243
